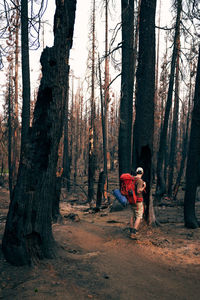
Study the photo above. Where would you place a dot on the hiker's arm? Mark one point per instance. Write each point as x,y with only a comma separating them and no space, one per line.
141,187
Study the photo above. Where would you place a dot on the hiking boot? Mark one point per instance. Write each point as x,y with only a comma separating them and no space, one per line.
133,233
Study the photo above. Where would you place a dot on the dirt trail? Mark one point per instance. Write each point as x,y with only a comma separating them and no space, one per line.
97,260
125,269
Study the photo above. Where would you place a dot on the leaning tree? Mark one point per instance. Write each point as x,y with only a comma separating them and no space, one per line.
28,232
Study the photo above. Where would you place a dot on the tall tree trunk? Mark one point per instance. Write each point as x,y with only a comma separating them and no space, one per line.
135,55
102,175
157,63
174,128
16,115
92,158
135,51
25,73
156,113
144,121
162,95
10,129
72,123
28,232
76,133
184,154
86,148
127,81
106,104
66,158
184,145
161,153
163,89
193,162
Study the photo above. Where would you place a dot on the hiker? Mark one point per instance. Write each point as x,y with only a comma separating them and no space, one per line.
138,208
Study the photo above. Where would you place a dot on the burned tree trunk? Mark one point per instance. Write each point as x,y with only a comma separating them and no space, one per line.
161,186
144,120
10,130
25,73
126,101
66,155
16,115
92,131
28,233
193,161
184,146
174,128
100,189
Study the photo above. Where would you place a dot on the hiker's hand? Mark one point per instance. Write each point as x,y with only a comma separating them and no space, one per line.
144,184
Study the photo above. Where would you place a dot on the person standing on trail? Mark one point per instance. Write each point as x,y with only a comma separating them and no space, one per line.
138,208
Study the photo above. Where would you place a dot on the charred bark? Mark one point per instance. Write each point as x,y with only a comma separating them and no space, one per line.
56,216
25,72
100,189
126,101
92,131
10,130
174,128
144,120
66,156
28,232
184,147
161,186
16,115
193,162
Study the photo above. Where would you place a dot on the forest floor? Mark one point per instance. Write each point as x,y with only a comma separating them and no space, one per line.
97,259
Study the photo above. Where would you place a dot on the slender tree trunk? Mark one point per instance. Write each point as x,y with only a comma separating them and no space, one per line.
113,132
81,125
144,121
184,146
157,64
160,182
92,158
156,98
135,52
28,232
103,119
162,94
183,159
193,162
76,133
127,80
66,158
166,160
135,55
174,128
102,174
106,104
10,130
16,115
86,148
25,73
163,89
72,122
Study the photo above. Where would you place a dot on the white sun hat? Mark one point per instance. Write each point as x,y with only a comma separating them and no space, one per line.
139,170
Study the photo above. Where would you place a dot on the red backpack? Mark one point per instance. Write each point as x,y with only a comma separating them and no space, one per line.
128,187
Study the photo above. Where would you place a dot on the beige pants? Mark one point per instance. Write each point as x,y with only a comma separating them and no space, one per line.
138,210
